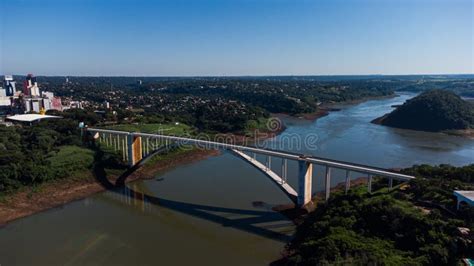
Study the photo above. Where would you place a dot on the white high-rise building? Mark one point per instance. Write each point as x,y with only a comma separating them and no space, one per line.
31,86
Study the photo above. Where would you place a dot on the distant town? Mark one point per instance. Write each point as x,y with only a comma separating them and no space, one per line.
218,104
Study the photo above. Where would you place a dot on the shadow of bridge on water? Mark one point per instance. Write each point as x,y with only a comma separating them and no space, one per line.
220,215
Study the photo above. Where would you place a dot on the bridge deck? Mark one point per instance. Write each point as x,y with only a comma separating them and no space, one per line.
285,187
282,154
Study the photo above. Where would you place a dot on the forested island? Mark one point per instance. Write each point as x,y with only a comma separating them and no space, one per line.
432,110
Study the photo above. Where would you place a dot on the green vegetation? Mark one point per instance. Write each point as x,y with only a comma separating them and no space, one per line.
212,104
71,162
166,129
434,187
396,228
462,86
433,110
47,151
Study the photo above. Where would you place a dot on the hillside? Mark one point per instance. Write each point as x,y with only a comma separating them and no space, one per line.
414,225
434,110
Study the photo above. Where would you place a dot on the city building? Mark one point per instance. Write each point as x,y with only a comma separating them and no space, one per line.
50,102
32,99
4,101
30,87
30,118
464,197
74,105
10,85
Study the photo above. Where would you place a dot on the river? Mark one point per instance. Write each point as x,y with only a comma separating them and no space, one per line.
206,212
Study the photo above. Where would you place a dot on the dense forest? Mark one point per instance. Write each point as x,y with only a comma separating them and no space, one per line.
433,110
46,151
415,225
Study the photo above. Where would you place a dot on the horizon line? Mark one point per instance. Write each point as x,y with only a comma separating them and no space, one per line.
242,76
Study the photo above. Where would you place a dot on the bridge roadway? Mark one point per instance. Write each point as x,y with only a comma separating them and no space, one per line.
303,196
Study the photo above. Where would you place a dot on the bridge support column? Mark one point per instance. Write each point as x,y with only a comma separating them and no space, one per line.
284,169
123,148
390,183
348,181
328,183
305,178
269,163
134,149
369,183
147,146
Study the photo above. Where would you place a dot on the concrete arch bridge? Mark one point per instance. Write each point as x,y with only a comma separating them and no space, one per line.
135,146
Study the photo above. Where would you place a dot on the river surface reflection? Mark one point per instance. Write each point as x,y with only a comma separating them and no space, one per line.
205,212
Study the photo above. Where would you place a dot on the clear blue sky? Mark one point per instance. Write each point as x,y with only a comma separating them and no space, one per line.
236,37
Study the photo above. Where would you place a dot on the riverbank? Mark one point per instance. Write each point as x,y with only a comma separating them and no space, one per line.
54,194
326,108
31,200
467,133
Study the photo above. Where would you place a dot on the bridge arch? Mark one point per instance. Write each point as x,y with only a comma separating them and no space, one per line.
136,148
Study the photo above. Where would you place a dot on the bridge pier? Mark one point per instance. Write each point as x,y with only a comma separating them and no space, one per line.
328,183
123,149
134,144
269,163
284,170
369,183
305,178
348,181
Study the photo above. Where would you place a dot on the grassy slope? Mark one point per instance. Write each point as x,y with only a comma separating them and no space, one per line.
71,161
166,129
